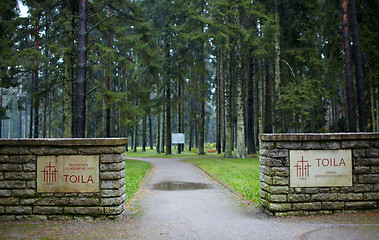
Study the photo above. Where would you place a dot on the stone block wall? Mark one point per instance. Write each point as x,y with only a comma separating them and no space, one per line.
278,198
19,199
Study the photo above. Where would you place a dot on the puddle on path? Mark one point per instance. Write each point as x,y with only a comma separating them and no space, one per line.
179,186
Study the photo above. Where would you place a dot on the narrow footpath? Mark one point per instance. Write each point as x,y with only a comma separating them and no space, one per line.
178,201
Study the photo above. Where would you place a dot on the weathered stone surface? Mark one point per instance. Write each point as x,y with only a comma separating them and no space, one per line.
324,197
117,166
279,189
266,145
22,159
368,178
18,210
332,205
29,167
10,167
5,192
280,207
28,201
274,153
350,196
83,218
111,158
9,201
371,196
35,218
31,184
101,150
112,184
24,193
104,167
264,186
367,161
42,150
306,206
114,210
330,145
288,145
7,217
280,171
84,201
14,150
84,210
113,192
375,144
53,201
310,190
344,189
266,179
266,170
12,184
311,145
4,159
374,169
355,144
360,205
115,201
112,175
372,153
299,197
60,217
359,153
270,162
283,181
361,169
277,198
363,187
48,210
19,175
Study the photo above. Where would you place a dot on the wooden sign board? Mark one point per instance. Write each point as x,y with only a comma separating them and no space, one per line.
68,174
320,168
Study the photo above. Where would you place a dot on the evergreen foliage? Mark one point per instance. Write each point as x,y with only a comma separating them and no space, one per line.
217,70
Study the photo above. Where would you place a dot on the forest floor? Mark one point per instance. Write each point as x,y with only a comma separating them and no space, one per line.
178,201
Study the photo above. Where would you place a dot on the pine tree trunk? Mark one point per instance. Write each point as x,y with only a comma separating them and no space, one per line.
144,133
68,78
150,133
362,108
36,102
240,128
108,85
268,100
163,117
229,116
80,91
218,103
348,71
158,137
250,107
168,118
191,125
277,66
135,136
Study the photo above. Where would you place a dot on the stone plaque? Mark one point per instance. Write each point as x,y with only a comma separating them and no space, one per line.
320,168
68,174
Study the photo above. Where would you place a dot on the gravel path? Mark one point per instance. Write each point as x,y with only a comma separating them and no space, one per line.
178,201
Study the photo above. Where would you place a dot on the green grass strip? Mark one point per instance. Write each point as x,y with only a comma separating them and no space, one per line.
135,173
242,175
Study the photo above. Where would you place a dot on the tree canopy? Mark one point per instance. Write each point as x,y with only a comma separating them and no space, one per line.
220,71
